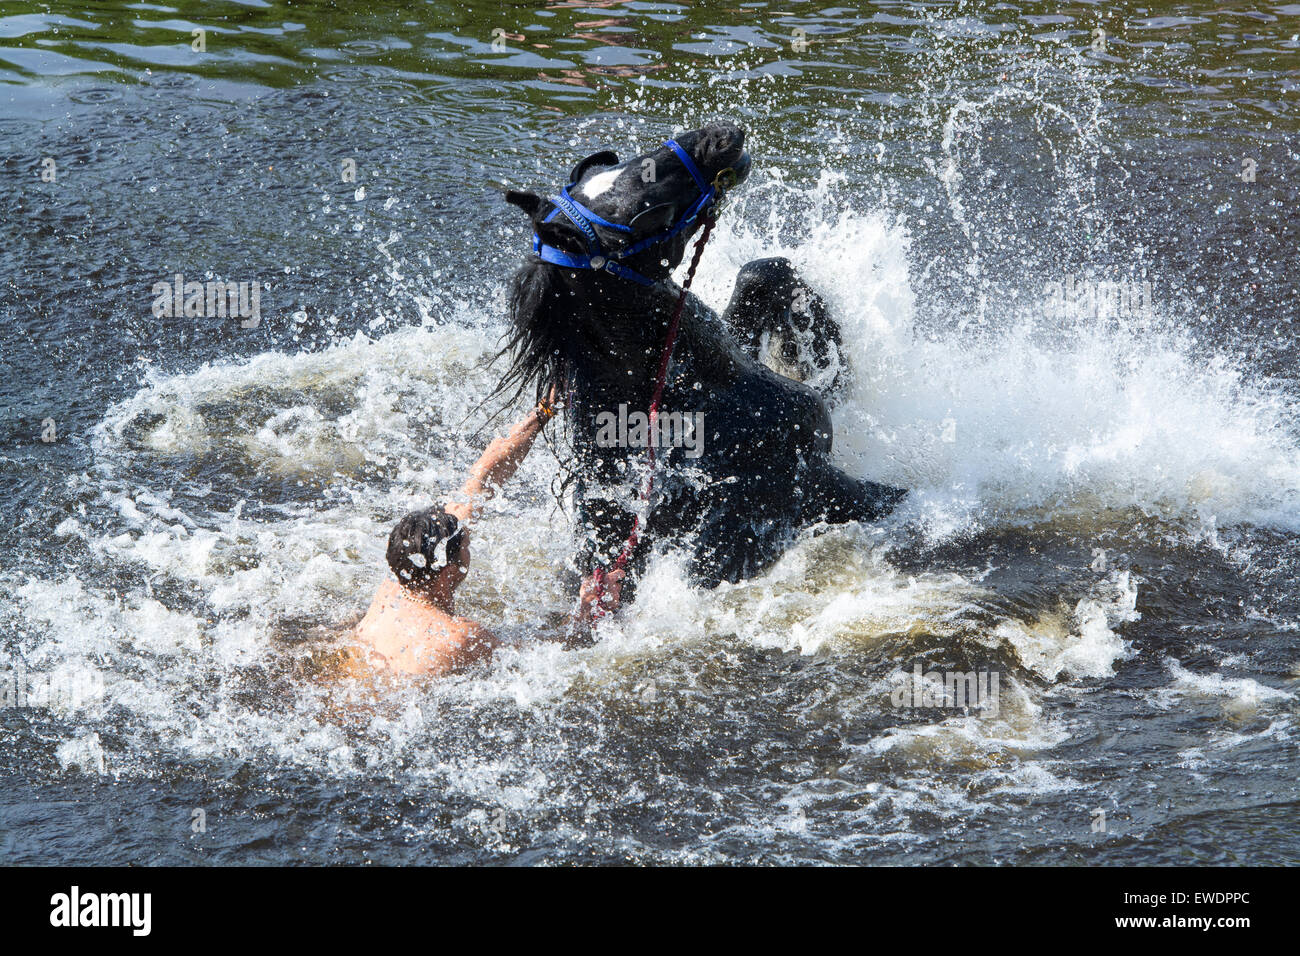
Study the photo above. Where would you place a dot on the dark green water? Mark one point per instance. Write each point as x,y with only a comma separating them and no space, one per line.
1104,498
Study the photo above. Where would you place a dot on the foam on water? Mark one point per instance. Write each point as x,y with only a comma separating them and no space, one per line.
1080,644
1240,695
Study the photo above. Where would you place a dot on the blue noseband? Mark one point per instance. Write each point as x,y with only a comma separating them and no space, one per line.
596,257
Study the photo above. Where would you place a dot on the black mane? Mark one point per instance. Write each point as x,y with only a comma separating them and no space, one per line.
536,346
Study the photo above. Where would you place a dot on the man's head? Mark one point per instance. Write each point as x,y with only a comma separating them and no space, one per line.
426,548
649,194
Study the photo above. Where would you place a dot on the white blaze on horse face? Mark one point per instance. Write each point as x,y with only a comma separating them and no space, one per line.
601,182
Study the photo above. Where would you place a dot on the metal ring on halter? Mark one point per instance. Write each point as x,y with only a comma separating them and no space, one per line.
723,181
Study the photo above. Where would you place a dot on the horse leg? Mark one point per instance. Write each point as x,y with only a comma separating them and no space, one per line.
827,494
771,304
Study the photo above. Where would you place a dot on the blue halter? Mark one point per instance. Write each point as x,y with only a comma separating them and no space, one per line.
596,257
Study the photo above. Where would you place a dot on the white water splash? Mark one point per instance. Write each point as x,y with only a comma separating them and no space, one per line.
1025,422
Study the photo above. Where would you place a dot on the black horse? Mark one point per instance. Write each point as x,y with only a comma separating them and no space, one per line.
589,311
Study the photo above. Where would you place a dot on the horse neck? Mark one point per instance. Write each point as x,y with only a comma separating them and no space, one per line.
620,328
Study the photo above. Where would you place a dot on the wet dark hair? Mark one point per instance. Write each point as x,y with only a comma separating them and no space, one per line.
422,533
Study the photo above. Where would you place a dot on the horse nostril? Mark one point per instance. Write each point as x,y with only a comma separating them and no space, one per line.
741,167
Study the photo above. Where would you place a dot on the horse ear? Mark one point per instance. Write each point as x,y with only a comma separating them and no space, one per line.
655,219
605,157
562,234
528,202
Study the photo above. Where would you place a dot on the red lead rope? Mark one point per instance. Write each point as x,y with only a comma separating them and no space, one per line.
669,342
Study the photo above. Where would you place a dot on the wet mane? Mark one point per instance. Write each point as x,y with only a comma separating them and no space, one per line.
535,346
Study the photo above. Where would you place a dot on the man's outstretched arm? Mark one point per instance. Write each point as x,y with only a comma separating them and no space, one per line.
500,461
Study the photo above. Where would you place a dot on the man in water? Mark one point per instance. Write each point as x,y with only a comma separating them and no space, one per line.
412,624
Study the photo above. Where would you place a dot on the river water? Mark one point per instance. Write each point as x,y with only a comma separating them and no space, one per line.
1061,240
